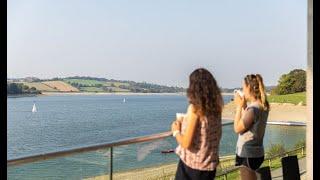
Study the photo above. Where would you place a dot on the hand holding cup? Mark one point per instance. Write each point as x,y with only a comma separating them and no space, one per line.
239,98
180,117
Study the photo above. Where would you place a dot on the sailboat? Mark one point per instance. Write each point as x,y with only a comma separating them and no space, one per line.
34,108
124,100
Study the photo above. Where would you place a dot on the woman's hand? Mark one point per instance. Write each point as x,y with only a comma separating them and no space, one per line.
180,119
176,125
239,101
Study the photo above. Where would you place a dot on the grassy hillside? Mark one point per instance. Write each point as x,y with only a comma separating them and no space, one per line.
295,98
91,84
61,86
94,84
51,86
84,82
40,86
91,89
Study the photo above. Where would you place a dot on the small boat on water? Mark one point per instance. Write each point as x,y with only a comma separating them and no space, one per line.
167,151
124,100
34,108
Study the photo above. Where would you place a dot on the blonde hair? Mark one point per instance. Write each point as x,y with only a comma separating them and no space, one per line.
256,86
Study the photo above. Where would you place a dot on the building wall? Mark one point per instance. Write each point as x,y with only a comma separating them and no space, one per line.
309,136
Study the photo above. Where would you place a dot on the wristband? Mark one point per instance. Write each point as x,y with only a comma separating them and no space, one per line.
174,134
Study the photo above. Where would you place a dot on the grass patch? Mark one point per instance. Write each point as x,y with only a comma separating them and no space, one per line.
275,149
117,89
89,82
117,84
99,89
40,86
85,82
91,89
288,98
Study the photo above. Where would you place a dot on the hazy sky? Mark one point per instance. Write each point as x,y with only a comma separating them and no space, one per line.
158,41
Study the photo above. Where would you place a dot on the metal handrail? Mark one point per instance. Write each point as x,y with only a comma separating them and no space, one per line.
52,155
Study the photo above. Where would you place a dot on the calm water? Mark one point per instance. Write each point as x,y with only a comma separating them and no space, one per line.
64,122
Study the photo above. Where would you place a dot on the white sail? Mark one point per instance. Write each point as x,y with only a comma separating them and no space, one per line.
124,100
34,108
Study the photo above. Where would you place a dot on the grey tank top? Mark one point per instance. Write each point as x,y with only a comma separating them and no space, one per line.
250,142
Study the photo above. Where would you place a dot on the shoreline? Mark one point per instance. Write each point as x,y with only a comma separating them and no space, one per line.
115,93
104,93
279,112
22,95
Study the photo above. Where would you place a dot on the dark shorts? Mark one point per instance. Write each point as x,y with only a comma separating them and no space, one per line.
252,163
184,172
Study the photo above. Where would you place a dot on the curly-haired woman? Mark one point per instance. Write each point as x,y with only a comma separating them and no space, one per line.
199,132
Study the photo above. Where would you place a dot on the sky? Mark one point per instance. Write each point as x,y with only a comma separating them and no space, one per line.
159,41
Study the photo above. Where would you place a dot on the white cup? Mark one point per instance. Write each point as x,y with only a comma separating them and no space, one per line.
180,115
239,92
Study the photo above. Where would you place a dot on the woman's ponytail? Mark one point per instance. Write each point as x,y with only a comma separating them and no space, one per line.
264,100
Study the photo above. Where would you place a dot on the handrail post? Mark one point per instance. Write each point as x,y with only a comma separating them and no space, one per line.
111,163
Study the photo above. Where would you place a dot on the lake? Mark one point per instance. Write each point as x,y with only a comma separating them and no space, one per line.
64,122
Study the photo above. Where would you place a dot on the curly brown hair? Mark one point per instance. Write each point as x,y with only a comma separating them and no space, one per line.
204,93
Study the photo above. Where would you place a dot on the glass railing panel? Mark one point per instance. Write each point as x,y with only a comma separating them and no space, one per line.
78,166
147,160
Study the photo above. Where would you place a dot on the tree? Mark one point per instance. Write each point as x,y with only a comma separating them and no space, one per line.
14,89
293,82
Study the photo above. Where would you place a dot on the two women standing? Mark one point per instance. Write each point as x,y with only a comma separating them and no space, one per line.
198,134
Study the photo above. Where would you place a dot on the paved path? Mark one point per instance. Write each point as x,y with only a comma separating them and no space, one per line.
277,173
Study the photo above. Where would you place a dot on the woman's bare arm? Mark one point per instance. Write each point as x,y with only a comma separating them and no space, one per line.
243,122
185,140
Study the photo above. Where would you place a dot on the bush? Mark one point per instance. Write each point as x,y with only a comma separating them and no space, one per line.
275,149
300,143
14,88
293,82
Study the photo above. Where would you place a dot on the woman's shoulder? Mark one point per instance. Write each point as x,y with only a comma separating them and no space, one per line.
192,111
192,108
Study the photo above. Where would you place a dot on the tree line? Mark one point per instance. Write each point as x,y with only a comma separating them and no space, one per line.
19,88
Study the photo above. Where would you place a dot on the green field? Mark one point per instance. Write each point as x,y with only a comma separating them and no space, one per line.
91,89
85,82
88,82
288,98
117,84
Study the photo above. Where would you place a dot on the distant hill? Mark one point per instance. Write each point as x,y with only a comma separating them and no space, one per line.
93,84
90,84
60,86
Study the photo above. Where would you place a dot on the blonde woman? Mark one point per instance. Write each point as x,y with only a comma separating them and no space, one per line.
250,124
